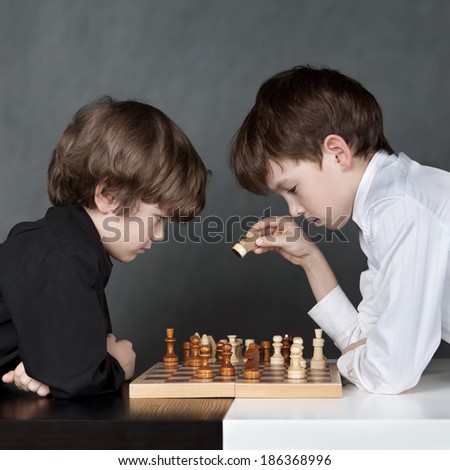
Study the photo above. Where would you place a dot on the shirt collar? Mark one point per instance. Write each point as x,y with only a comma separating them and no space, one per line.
376,162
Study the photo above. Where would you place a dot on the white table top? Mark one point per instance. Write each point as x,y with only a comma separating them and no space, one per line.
416,419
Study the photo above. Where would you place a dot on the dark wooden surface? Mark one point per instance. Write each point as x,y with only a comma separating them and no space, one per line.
110,421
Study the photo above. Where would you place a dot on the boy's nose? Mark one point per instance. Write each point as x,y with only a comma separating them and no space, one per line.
158,234
296,211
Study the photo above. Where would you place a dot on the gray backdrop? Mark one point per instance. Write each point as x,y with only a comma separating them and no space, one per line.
201,62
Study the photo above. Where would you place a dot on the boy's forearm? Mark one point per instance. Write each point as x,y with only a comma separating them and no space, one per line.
320,275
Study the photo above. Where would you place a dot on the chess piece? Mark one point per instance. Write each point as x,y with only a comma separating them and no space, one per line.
247,343
318,361
239,349
295,370
234,353
246,244
170,359
219,348
251,369
186,351
265,351
299,342
194,358
286,349
213,345
277,358
205,371
227,369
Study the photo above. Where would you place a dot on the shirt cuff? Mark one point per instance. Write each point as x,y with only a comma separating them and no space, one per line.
337,316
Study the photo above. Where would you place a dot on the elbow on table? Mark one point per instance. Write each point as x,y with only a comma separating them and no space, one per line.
389,383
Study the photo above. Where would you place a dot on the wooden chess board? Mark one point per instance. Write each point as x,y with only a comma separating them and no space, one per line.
182,382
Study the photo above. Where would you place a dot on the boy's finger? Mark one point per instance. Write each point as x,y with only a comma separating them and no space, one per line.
8,377
43,390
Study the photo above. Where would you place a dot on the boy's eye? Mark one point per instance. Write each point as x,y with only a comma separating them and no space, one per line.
292,190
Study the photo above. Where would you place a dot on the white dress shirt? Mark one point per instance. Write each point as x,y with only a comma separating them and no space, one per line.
403,211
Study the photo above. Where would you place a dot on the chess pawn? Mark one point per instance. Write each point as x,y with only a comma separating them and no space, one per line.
186,351
205,371
194,358
295,370
299,342
318,361
170,359
227,369
219,349
277,358
246,244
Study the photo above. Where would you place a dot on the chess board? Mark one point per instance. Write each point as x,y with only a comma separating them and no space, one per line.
182,382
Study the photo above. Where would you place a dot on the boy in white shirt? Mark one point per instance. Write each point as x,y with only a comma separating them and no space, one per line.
315,137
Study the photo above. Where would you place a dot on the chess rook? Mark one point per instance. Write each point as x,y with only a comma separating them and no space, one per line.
265,351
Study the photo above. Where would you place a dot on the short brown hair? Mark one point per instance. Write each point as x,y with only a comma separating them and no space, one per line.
294,111
136,151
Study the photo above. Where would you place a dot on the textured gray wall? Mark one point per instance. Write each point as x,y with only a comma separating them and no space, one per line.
201,62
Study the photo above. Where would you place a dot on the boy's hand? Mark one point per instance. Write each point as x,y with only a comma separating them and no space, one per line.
283,235
122,350
24,382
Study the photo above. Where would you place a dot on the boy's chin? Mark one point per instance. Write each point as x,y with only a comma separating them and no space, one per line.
124,257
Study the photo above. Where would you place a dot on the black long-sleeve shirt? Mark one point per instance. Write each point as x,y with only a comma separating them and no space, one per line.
53,311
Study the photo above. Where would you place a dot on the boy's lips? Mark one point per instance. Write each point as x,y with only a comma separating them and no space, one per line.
315,220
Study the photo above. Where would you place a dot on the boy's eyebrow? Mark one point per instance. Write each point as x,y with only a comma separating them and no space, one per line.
280,185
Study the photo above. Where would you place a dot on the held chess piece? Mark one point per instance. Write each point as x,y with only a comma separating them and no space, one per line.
205,371
251,369
170,359
246,245
227,369
277,358
295,370
318,361
194,358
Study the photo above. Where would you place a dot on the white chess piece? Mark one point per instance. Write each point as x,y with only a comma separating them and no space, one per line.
212,343
234,355
295,370
277,358
298,340
318,361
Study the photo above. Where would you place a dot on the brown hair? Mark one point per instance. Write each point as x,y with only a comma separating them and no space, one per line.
294,111
136,151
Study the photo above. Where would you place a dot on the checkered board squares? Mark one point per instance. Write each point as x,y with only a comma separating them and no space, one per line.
182,382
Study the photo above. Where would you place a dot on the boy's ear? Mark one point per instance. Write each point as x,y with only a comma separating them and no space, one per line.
337,148
105,200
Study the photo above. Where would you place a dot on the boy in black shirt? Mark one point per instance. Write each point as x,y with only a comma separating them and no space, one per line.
119,170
